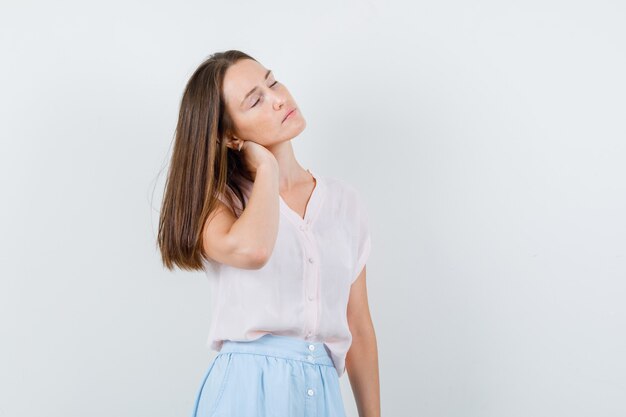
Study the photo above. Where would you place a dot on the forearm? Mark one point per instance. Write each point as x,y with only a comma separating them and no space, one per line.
362,369
255,231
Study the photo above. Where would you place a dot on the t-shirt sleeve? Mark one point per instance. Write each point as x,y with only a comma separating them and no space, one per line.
363,236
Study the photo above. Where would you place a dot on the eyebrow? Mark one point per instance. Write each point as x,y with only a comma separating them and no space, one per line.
267,74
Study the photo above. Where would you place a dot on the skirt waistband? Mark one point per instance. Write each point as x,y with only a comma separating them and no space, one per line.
282,347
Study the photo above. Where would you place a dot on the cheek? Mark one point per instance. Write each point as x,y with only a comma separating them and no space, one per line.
261,127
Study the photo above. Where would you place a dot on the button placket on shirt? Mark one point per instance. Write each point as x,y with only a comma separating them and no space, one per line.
311,278
311,272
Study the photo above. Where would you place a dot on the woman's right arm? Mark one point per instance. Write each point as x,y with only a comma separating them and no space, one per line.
248,241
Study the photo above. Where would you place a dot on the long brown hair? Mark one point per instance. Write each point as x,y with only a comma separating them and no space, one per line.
202,167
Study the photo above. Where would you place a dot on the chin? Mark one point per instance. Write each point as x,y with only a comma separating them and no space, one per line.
302,122
292,134
302,126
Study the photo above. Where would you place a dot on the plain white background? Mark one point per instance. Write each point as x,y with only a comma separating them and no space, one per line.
488,140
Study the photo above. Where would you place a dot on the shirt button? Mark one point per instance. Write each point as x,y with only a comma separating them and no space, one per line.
311,347
310,260
311,297
310,392
309,358
309,334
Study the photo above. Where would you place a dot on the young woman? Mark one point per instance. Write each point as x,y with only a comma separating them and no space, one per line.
284,249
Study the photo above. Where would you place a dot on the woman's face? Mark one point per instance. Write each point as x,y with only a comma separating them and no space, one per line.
258,103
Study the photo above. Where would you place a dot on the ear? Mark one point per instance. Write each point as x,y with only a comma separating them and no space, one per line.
233,142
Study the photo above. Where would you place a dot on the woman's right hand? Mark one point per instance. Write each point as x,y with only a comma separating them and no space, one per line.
253,154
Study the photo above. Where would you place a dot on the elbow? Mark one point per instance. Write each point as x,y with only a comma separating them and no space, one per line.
257,258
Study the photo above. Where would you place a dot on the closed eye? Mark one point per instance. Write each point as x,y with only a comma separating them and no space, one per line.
272,85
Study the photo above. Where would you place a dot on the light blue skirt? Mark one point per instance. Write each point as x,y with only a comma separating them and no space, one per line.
273,376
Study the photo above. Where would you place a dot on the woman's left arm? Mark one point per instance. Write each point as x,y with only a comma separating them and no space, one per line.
362,358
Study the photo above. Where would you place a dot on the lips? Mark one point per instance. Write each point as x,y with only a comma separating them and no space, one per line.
288,113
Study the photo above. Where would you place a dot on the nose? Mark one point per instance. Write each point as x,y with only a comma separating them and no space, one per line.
278,101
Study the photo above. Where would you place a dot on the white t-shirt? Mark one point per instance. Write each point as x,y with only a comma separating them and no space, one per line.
303,289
